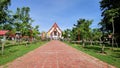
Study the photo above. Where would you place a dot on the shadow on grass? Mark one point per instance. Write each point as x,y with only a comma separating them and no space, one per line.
93,48
116,50
116,55
11,45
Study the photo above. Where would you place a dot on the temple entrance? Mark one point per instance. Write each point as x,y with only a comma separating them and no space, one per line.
55,33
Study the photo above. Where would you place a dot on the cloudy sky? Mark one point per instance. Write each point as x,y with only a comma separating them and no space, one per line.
64,12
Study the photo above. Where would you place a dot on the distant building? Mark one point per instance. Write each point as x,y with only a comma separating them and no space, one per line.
43,36
55,32
3,32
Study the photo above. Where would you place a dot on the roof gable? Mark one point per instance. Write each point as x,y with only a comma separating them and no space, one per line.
55,26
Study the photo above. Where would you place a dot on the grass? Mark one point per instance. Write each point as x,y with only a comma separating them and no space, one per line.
12,52
112,57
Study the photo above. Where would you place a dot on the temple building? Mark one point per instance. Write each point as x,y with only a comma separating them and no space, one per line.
55,32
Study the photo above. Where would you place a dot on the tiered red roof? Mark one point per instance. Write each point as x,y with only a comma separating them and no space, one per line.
3,32
55,26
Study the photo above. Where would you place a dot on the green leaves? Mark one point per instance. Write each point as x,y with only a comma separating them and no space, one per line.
83,27
22,21
97,34
66,33
3,10
81,30
110,12
18,21
111,16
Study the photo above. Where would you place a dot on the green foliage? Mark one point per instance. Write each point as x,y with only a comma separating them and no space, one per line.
66,34
97,34
19,21
4,12
73,35
22,20
111,16
35,31
82,29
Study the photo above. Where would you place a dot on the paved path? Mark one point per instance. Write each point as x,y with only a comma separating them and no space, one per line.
56,54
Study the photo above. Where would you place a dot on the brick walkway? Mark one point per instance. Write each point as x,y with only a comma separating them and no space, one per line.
56,54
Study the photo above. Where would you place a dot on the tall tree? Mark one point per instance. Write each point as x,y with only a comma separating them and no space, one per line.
83,29
4,15
111,17
4,12
23,21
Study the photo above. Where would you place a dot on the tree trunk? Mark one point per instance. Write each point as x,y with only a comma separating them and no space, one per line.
78,37
91,42
83,43
116,43
113,33
103,48
100,42
2,48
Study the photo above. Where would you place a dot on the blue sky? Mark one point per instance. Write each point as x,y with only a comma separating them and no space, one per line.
64,12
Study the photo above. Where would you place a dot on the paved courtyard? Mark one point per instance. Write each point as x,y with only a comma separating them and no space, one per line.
56,54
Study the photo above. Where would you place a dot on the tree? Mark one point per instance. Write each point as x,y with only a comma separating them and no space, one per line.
17,20
35,31
73,35
66,34
112,13
83,29
90,36
4,15
4,12
111,17
23,21
79,27
97,34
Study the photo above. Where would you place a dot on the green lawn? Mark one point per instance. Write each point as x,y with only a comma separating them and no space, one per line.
12,52
112,57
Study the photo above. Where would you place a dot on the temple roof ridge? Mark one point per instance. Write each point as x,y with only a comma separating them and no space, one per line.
55,26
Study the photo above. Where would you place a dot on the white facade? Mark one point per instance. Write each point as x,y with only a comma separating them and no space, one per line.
54,33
